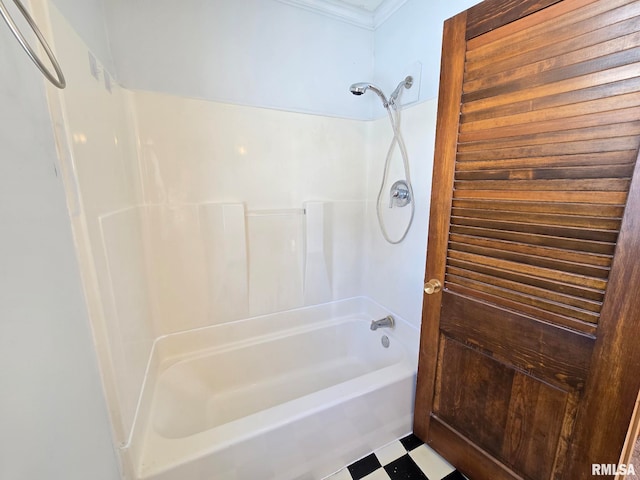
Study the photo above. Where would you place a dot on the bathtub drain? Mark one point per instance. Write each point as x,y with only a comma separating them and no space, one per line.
385,341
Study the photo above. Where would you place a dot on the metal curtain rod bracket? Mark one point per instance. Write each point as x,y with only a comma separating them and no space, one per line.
57,80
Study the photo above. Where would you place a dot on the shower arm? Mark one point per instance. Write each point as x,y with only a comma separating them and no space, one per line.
406,83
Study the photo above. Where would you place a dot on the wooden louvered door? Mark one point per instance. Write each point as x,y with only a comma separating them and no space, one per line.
529,355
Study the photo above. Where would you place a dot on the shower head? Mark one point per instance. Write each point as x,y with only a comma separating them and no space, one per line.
361,88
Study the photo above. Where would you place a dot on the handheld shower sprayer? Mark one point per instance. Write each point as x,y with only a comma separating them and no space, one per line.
361,88
402,190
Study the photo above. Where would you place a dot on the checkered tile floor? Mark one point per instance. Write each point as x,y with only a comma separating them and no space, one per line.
405,459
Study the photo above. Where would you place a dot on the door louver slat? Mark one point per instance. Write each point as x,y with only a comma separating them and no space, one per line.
551,116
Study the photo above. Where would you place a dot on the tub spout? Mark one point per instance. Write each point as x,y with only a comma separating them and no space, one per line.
387,322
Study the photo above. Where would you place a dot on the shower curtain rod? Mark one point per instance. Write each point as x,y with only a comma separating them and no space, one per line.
57,80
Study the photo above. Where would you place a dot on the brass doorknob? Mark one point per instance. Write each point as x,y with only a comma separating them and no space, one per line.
432,286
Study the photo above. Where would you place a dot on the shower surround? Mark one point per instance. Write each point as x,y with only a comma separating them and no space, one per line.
249,211
192,214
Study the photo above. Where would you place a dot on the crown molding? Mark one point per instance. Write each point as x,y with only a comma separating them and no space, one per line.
348,13
385,10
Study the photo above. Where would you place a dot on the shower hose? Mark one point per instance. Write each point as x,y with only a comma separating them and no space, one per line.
397,139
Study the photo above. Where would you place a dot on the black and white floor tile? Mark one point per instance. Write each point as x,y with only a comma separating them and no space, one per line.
405,459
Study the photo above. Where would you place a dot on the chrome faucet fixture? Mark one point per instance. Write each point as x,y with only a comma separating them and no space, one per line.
386,322
400,195
401,191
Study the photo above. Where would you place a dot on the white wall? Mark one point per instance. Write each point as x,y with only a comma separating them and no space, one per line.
88,19
261,52
53,420
413,34
395,273
250,52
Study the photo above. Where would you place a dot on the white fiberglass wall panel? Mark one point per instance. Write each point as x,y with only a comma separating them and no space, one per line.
393,274
98,163
249,210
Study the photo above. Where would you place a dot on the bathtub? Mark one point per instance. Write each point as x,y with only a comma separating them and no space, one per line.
293,395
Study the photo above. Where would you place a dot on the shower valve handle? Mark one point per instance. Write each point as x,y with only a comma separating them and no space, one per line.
399,195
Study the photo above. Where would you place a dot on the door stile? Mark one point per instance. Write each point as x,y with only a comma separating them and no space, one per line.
613,383
449,99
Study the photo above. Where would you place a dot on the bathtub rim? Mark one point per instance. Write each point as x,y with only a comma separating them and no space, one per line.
404,332
221,437
396,354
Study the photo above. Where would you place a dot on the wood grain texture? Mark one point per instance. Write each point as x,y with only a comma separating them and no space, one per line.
508,266
604,198
560,265
534,426
568,231
575,307
536,75
495,13
545,134
569,244
501,302
564,18
606,131
575,122
582,39
547,115
550,353
505,247
474,271
481,390
613,385
465,455
451,75
556,95
528,114
515,214
536,207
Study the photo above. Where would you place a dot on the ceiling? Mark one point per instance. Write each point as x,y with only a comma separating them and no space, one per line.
364,13
368,5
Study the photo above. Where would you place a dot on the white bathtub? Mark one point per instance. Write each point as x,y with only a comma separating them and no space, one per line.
294,395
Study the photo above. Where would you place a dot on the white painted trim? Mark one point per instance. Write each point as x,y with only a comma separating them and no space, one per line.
348,13
385,10
339,11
